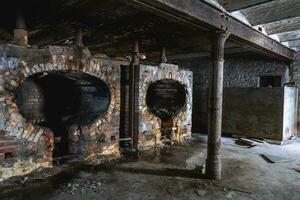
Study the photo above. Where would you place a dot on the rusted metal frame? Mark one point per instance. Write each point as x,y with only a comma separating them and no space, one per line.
132,95
202,15
215,103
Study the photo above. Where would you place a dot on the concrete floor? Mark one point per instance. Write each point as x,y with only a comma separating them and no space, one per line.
169,174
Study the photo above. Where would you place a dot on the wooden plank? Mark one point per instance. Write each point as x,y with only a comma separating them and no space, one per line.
296,48
202,15
233,5
272,11
282,26
289,36
295,43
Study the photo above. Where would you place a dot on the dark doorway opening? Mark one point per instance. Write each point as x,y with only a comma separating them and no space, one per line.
166,98
270,81
58,100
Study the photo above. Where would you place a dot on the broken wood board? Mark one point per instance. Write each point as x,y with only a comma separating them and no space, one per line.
275,159
245,142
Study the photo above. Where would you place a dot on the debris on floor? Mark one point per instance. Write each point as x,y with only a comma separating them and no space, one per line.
258,140
275,159
167,173
84,187
245,142
297,169
200,193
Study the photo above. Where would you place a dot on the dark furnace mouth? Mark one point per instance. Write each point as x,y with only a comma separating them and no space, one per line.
166,98
58,100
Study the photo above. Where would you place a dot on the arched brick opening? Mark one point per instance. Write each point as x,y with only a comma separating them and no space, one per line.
166,98
59,100
96,135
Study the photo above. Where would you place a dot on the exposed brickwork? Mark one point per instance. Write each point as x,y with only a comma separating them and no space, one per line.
8,146
149,124
35,143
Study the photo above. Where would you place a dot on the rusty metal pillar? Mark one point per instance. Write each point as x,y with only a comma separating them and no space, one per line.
213,162
163,57
20,32
132,95
79,36
290,72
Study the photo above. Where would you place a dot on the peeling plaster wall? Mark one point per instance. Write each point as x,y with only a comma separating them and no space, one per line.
239,71
149,124
31,146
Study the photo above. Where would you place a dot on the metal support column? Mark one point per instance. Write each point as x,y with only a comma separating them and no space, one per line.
290,72
79,37
132,94
163,57
20,32
213,162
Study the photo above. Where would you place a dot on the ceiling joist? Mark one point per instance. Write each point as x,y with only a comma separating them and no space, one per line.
295,43
282,26
289,36
234,5
273,11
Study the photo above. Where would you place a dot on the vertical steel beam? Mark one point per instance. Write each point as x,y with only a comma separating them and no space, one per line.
20,32
79,36
20,21
132,94
215,101
290,72
163,57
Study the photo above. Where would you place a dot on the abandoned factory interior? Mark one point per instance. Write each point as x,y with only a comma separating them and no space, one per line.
150,99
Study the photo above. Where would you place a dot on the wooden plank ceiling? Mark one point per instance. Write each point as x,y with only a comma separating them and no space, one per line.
280,19
111,26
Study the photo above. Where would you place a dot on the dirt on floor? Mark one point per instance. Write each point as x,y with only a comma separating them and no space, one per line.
170,173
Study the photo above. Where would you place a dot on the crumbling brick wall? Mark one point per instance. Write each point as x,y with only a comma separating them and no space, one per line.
149,124
27,146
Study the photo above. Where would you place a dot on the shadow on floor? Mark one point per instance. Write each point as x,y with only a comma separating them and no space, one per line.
172,172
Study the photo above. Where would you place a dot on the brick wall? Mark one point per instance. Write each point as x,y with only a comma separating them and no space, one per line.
150,125
35,143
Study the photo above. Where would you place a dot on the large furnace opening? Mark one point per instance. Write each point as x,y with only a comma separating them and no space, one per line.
58,100
166,98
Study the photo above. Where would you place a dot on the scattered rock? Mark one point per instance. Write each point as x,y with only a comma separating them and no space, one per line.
24,180
229,195
200,193
84,187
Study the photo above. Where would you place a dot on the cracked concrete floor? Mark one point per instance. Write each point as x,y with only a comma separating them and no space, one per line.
169,174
